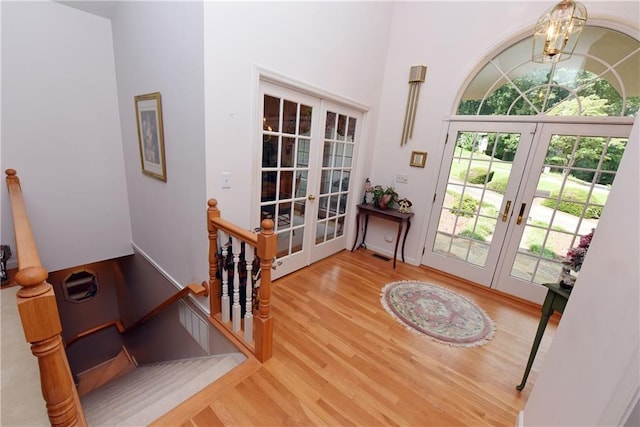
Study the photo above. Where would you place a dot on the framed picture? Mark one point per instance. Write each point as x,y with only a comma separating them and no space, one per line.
418,159
151,135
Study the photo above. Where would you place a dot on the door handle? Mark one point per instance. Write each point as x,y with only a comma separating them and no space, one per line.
311,197
522,207
506,211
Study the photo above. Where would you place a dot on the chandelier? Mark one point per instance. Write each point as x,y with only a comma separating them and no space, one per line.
557,32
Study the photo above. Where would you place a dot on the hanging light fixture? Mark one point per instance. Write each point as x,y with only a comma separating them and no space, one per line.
557,32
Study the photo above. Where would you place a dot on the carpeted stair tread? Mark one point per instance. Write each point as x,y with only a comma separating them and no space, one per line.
150,391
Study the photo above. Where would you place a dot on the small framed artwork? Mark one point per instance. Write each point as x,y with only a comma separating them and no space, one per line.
418,159
151,135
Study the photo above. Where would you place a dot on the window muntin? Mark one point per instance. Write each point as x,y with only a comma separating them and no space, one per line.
600,79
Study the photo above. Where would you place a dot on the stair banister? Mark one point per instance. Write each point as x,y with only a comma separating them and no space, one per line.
265,243
40,318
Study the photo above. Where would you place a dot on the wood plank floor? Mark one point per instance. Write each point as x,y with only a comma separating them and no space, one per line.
341,360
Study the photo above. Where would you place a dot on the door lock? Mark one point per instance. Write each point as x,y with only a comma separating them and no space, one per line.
311,197
506,211
522,208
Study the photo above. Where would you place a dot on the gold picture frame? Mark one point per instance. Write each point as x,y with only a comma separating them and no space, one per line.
151,135
418,159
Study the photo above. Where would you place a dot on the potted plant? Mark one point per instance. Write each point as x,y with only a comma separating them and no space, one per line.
384,197
573,261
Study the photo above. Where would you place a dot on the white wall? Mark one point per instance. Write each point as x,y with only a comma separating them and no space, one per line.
451,39
337,47
159,48
60,131
592,369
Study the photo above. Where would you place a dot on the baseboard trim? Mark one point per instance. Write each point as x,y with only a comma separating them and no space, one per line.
520,422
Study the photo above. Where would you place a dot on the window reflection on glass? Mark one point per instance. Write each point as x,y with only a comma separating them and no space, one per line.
303,152
305,120
271,119
327,154
269,186
301,184
348,155
286,157
286,184
342,127
269,151
330,125
335,181
351,130
289,117
337,163
325,182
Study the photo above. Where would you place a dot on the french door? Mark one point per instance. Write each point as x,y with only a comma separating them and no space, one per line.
306,164
512,198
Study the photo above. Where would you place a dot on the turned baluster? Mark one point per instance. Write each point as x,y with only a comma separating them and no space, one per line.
248,303
224,299
235,308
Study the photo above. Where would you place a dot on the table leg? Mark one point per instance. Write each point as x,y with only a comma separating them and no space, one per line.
405,236
547,311
395,251
364,232
355,241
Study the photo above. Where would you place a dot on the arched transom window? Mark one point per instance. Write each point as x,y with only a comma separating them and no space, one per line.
602,78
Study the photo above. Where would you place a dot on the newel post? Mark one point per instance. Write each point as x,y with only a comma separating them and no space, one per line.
214,283
42,328
263,322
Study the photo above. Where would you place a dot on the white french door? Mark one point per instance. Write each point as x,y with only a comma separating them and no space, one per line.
567,181
469,220
306,164
513,198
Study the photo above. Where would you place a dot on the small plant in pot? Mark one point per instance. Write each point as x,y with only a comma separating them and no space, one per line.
384,197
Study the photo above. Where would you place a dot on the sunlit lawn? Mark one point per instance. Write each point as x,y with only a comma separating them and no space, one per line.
548,181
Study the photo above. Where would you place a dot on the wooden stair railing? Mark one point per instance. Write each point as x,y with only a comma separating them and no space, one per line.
40,318
193,289
257,335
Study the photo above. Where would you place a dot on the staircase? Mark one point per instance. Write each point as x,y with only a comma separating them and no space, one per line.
149,391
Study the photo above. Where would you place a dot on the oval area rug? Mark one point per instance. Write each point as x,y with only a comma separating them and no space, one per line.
439,313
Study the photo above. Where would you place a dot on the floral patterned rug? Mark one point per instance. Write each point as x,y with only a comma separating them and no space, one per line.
437,312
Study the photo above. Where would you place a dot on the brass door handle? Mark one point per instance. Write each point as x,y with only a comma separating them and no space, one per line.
311,197
506,211
522,207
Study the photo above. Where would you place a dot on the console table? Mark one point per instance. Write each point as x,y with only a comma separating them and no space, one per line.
389,214
556,300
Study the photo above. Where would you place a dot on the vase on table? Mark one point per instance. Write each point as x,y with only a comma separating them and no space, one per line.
385,200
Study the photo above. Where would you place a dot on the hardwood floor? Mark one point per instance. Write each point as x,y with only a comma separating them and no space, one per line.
341,360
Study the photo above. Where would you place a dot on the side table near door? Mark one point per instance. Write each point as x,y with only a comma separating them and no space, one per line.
556,300
388,214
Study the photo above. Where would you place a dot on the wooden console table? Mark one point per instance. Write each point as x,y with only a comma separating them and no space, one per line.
556,300
388,214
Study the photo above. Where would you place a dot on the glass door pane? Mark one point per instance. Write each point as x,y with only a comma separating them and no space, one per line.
286,142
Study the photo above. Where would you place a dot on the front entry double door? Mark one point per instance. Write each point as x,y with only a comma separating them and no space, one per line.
513,197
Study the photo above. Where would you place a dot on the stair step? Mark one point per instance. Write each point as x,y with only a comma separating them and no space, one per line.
150,391
104,373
